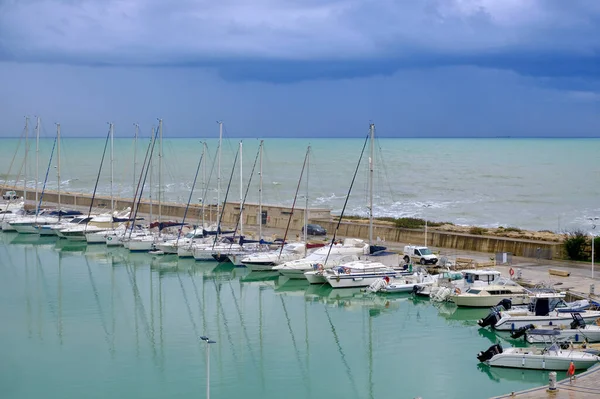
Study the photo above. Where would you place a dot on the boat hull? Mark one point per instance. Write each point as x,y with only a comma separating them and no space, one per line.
487,301
559,362
589,334
510,323
315,277
356,280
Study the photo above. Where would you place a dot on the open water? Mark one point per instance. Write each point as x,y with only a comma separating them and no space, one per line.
539,184
88,321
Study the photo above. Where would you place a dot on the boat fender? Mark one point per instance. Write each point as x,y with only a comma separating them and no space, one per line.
511,272
457,291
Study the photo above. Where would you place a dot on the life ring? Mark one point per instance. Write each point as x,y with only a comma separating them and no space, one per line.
320,266
511,272
457,291
347,271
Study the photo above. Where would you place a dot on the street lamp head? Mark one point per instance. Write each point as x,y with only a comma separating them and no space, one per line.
204,338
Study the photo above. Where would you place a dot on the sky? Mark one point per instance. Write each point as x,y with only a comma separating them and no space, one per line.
303,68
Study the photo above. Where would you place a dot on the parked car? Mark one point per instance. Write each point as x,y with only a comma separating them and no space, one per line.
314,230
10,195
422,255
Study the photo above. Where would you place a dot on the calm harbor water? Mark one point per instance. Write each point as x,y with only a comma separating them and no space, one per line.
537,184
89,321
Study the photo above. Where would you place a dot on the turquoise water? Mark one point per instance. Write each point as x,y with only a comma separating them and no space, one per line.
88,321
550,184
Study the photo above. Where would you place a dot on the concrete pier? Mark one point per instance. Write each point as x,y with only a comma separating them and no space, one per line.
585,386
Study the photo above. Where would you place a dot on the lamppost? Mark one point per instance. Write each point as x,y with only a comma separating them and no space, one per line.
208,342
593,220
426,206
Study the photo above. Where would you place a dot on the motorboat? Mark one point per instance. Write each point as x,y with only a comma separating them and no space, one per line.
324,258
544,308
577,331
551,357
485,296
266,260
448,281
171,246
358,274
52,229
402,284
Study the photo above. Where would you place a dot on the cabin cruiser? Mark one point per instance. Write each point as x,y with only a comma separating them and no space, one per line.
266,260
544,308
551,357
357,274
324,258
448,281
52,229
485,296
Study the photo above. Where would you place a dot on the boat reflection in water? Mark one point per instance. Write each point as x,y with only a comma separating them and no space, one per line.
353,299
501,374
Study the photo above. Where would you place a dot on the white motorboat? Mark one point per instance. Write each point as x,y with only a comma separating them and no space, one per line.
400,284
266,260
447,282
325,258
545,308
577,331
172,246
551,357
27,224
358,274
485,296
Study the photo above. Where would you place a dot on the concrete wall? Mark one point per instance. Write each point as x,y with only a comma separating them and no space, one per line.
278,216
443,239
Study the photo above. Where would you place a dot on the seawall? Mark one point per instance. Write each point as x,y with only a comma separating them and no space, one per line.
277,217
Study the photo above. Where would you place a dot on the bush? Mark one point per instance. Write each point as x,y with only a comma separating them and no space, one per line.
575,243
477,231
515,229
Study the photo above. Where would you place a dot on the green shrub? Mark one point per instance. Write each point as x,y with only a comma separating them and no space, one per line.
477,231
575,243
514,229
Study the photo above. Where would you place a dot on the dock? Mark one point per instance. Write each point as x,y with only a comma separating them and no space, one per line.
585,386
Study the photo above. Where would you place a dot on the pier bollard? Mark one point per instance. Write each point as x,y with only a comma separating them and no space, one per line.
552,382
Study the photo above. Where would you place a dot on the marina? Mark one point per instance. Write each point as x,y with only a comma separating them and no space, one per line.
135,311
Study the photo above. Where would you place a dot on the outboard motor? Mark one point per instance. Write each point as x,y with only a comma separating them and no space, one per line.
491,319
505,303
519,332
490,353
578,321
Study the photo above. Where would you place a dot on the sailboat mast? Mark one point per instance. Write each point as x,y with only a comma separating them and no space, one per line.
58,164
37,164
306,203
260,188
241,193
203,179
371,174
160,161
135,138
219,168
112,175
26,159
151,160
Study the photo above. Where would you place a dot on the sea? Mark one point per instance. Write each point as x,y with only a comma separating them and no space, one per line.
90,321
534,184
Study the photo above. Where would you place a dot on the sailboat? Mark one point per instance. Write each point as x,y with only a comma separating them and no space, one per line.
262,261
31,224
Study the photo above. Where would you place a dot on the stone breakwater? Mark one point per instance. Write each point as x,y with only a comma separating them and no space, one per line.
544,245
